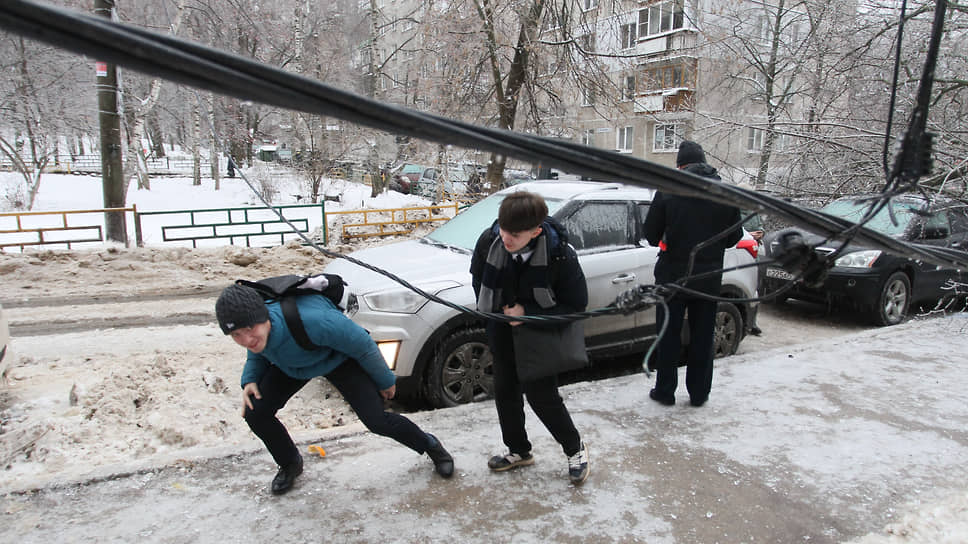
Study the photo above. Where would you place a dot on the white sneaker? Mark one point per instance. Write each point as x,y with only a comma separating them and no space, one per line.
578,465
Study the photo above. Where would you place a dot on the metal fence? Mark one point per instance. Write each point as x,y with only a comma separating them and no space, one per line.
91,164
249,226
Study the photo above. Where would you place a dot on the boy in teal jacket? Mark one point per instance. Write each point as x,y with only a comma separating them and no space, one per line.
277,367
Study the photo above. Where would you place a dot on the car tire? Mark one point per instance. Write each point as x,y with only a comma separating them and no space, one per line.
893,300
461,370
729,330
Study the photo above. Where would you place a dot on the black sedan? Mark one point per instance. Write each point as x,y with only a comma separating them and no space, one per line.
874,282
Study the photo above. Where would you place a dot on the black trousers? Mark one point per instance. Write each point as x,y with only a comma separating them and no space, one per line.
542,396
699,358
357,389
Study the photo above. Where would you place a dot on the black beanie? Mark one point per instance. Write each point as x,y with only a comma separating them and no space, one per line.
238,307
689,153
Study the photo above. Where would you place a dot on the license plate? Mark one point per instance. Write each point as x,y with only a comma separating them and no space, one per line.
779,273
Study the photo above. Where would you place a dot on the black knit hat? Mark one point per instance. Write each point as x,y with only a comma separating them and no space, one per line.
689,153
238,307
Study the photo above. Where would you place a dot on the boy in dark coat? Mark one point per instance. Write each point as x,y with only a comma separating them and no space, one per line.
681,224
523,265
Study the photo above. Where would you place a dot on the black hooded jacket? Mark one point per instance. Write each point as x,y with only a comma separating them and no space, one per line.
684,223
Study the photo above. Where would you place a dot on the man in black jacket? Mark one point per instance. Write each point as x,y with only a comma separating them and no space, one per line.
684,226
523,265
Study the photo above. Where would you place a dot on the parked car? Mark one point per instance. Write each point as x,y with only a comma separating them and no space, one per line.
403,179
455,181
441,354
514,177
881,285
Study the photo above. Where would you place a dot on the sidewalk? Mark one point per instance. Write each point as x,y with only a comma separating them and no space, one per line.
818,444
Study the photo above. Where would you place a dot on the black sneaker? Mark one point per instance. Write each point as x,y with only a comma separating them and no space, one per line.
500,463
443,462
286,476
578,466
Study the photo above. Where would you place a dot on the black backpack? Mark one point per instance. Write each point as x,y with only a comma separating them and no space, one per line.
285,289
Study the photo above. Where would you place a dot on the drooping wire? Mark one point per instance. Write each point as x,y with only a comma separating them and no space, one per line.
893,99
203,67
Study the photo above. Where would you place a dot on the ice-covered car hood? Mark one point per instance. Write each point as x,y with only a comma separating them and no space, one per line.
414,261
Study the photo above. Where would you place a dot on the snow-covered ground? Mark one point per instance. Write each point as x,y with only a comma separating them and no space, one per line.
79,402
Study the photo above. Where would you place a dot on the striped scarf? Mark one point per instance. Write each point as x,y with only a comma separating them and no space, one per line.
492,297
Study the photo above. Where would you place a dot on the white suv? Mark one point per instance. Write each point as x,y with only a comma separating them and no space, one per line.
441,354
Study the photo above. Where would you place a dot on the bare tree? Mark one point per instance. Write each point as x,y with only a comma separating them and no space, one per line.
138,109
37,101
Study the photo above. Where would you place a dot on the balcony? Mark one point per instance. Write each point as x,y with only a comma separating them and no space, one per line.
667,100
671,42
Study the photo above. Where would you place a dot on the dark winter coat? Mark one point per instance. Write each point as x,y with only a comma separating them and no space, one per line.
684,223
563,275
341,339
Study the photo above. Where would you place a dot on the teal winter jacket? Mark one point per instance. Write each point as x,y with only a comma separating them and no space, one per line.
341,339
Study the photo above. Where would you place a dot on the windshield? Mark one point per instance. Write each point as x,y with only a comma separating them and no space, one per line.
854,210
463,230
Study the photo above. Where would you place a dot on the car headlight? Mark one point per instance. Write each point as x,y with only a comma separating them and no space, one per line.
404,300
858,259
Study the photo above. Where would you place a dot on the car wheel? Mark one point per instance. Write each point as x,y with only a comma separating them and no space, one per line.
729,330
893,302
462,369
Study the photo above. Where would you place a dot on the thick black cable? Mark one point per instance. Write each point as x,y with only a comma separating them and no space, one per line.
894,79
224,73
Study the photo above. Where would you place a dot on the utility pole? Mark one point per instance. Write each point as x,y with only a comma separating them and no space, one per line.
112,174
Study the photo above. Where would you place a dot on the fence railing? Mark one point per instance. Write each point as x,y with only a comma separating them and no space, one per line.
248,225
22,229
234,224
407,220
91,164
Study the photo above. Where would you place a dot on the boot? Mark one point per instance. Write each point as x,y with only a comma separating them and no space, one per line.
286,476
443,462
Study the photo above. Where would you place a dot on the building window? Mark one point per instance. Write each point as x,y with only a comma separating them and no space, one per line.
588,137
587,95
628,35
589,4
667,138
587,42
628,90
761,29
661,17
624,139
754,140
669,76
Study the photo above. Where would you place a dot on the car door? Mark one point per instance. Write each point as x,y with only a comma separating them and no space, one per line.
958,218
602,233
931,279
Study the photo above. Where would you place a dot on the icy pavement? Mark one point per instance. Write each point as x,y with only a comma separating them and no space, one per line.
813,443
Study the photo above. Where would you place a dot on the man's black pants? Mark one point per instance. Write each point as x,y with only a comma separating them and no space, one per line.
542,396
699,358
357,389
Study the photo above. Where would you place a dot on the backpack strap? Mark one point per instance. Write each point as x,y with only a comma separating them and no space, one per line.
283,290
295,323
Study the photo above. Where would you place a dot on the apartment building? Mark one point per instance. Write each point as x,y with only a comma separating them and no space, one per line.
632,76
